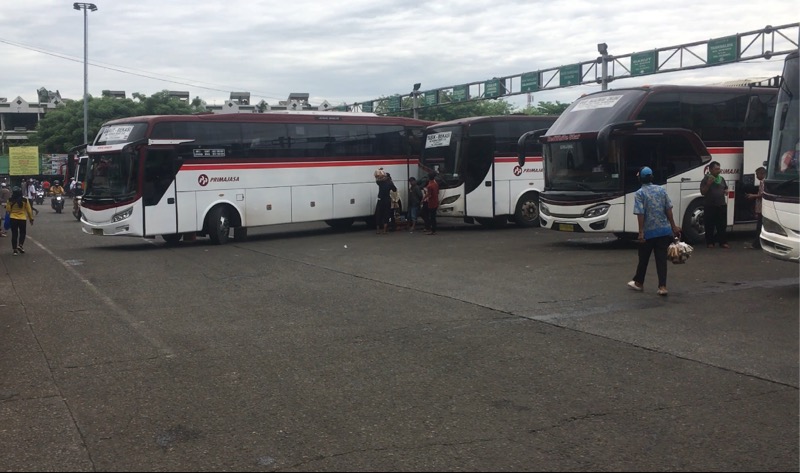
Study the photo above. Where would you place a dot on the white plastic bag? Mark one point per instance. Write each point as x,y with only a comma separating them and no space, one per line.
678,251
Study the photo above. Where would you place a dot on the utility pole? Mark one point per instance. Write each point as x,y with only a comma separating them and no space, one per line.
86,7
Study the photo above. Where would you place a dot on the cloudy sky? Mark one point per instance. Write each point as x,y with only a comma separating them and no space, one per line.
346,51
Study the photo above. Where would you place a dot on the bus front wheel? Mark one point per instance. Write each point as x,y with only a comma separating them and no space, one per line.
527,213
693,228
219,225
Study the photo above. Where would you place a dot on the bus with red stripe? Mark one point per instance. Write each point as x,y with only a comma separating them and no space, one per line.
593,153
213,174
475,161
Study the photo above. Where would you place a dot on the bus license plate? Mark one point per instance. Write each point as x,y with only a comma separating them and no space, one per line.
566,227
97,231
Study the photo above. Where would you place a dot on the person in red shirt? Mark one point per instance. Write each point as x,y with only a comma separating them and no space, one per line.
432,199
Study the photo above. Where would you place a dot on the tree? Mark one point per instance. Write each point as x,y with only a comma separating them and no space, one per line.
62,127
546,108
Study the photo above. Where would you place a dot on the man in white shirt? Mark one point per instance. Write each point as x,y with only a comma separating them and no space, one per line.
30,193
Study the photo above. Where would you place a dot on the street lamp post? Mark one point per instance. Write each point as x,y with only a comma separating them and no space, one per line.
85,7
602,48
415,98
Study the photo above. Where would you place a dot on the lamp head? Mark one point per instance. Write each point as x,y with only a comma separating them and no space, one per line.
417,86
602,48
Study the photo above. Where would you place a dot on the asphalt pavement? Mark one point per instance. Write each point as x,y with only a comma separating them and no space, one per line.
308,349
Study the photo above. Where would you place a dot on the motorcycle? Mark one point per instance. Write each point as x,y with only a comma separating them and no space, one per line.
76,207
57,203
38,198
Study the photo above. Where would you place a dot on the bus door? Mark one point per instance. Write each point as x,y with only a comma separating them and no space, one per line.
159,192
671,155
479,180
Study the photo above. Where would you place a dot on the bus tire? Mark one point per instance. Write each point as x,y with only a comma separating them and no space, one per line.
240,234
340,223
218,223
172,239
693,228
527,213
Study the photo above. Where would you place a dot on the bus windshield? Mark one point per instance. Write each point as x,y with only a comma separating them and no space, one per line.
111,177
785,144
442,152
574,165
592,112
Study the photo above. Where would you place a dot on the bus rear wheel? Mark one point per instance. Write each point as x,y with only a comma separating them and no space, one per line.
693,228
527,213
219,225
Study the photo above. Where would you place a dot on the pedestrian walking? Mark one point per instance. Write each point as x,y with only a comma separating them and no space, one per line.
20,211
653,210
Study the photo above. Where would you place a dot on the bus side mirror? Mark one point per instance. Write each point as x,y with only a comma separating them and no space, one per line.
604,136
522,143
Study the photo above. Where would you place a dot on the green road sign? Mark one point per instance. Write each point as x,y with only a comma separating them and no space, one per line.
460,93
643,63
570,75
492,88
530,82
723,50
431,97
366,107
394,103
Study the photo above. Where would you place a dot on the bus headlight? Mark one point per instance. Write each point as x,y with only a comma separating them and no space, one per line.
597,211
772,227
544,209
122,215
450,200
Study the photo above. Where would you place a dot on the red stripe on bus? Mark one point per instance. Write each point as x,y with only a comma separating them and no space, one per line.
307,164
736,150
514,160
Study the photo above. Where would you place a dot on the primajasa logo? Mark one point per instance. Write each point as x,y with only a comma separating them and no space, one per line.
204,180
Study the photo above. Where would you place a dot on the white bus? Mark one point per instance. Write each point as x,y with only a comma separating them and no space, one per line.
593,152
207,174
780,232
476,163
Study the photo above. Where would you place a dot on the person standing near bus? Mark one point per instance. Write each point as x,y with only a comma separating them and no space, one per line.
432,195
414,200
384,205
653,210
20,210
761,173
715,208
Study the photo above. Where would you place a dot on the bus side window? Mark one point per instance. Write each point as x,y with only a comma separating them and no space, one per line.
159,172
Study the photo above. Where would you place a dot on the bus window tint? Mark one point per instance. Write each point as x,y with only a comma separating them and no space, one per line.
267,140
349,140
388,140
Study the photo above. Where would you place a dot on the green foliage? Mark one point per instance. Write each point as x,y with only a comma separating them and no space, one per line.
546,108
62,127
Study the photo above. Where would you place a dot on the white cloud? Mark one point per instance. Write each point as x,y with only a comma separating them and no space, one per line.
351,51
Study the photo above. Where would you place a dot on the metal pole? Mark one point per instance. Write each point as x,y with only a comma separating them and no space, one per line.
604,72
85,75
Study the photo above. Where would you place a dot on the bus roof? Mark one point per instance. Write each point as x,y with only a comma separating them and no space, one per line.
269,117
497,118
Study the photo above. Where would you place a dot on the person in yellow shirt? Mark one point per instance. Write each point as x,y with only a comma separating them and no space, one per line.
56,188
19,208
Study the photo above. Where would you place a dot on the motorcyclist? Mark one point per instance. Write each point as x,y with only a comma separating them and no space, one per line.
56,188
55,191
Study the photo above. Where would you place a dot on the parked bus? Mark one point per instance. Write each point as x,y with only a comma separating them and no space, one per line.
780,233
476,164
207,174
593,153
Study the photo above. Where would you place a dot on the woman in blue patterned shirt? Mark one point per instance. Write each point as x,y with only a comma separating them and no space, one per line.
653,210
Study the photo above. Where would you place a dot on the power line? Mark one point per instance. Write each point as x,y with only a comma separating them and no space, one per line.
144,74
